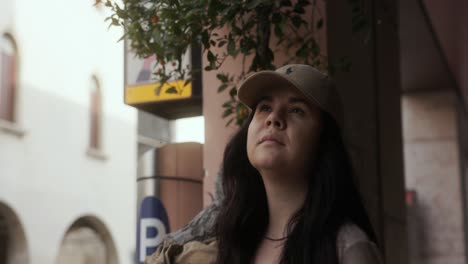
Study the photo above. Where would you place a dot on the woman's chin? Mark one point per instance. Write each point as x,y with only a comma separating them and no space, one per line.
269,164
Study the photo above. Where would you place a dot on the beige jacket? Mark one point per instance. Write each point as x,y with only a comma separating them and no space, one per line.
353,247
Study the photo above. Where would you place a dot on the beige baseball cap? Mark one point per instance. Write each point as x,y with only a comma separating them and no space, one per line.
316,86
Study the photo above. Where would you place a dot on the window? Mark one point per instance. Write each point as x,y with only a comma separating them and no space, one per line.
95,115
8,76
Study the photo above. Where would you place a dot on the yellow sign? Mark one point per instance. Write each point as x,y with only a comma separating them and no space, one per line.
146,93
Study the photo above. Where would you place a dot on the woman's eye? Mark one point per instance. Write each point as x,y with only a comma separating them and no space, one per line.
297,111
263,108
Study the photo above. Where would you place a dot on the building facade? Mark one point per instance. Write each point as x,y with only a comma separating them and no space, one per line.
68,144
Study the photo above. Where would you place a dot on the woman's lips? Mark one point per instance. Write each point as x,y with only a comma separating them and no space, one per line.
270,139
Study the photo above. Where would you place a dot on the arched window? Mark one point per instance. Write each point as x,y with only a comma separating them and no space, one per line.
13,242
95,115
88,240
8,77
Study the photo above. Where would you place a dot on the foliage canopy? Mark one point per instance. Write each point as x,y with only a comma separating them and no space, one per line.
252,29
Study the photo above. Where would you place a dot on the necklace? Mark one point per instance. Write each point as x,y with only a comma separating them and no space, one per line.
275,239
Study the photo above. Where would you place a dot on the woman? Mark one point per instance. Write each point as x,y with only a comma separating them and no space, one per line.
287,180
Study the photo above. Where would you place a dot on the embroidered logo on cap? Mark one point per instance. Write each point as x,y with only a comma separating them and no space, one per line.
289,70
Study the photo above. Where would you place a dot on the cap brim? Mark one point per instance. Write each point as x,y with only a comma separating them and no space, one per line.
255,86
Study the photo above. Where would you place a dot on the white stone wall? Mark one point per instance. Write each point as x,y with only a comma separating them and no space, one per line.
432,169
46,177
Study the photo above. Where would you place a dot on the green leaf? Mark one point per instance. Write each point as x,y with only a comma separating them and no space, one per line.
276,18
249,25
222,77
231,47
171,90
297,21
222,43
230,121
315,49
157,35
205,38
239,121
227,112
211,57
233,92
298,10
187,82
303,51
253,4
270,58
222,87
115,21
303,3
236,30
279,29
245,45
122,37
121,13
320,23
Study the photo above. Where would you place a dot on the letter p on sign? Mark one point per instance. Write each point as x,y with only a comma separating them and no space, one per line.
152,227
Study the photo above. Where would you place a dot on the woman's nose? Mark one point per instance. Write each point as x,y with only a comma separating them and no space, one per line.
275,119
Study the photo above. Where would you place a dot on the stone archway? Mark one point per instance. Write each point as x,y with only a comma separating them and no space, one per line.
13,244
87,241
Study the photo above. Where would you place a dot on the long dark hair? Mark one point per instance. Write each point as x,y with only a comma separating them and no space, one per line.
332,200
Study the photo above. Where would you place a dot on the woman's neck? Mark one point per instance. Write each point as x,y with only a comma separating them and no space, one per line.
285,196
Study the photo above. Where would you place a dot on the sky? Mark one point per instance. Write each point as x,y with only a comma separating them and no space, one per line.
188,130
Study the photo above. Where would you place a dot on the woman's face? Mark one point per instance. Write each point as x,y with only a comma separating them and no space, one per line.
284,131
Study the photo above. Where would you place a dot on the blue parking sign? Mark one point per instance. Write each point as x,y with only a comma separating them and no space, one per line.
153,225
